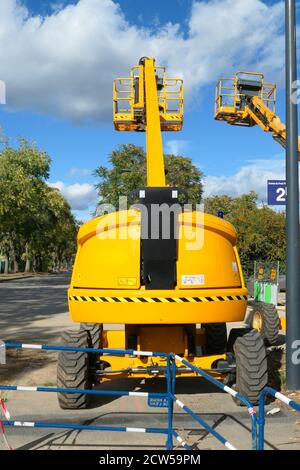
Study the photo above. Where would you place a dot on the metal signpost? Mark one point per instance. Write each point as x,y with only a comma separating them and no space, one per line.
292,206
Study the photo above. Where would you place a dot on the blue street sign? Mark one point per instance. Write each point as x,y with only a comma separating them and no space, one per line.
276,192
157,402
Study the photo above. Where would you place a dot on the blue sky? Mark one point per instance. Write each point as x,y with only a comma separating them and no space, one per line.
58,59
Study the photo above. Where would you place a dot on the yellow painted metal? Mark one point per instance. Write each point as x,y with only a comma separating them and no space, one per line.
138,74
257,321
129,100
122,363
108,255
282,323
114,339
149,101
212,236
260,110
155,157
228,99
240,269
107,265
106,283
153,338
177,312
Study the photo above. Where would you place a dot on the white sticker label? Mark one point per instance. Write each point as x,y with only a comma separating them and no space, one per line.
192,279
234,267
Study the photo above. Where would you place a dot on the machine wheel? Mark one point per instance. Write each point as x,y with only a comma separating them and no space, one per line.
234,334
251,365
264,318
73,370
215,338
94,331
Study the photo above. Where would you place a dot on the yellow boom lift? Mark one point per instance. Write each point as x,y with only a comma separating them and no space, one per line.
172,278
247,100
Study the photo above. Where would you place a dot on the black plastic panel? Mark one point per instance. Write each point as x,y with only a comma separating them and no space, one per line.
159,237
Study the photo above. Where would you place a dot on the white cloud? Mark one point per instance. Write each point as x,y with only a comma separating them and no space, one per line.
80,171
79,196
56,6
176,147
63,64
251,177
2,92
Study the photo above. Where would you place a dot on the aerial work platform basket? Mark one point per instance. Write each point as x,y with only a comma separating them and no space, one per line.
233,94
129,100
247,100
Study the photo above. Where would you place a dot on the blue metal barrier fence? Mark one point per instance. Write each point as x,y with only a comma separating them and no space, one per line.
231,392
169,395
262,400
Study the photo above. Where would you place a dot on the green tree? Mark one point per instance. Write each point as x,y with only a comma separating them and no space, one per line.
261,231
128,172
23,172
33,216
53,243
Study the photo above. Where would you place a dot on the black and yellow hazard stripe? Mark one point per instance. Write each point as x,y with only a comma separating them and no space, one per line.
219,298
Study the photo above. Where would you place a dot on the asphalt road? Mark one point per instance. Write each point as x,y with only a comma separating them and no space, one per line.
35,310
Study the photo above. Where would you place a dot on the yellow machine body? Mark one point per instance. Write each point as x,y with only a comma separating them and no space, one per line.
107,286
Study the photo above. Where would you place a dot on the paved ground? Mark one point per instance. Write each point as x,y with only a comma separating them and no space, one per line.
16,277
35,310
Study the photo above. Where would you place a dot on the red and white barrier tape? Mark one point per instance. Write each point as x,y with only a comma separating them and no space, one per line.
7,416
5,410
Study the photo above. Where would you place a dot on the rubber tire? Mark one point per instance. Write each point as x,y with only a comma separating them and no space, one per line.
215,338
94,331
234,334
251,366
270,322
73,371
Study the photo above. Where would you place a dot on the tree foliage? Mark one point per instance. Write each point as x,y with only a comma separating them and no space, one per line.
261,231
128,172
37,228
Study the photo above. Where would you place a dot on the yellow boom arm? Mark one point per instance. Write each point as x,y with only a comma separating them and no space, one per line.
154,146
268,121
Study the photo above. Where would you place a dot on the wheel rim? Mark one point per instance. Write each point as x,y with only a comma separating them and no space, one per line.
257,322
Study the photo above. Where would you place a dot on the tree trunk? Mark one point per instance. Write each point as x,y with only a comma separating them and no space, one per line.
16,266
39,264
27,264
6,265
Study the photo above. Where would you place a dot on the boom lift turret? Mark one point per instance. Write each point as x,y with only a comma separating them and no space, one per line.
173,278
247,100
